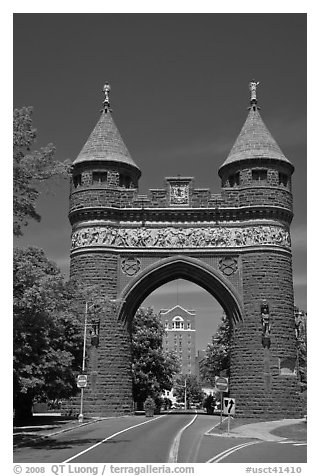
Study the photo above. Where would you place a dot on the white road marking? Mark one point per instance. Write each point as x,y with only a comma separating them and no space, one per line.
110,437
300,444
285,442
217,458
173,454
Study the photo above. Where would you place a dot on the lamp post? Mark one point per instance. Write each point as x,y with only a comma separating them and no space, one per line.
113,302
185,393
87,308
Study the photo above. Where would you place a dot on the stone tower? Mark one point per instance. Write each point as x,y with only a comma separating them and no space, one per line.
104,179
235,244
256,180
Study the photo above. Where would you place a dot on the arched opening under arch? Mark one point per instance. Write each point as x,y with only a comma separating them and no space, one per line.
180,267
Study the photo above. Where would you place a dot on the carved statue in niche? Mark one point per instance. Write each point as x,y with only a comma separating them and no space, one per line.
265,323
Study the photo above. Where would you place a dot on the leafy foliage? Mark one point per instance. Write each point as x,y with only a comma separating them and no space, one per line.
217,358
153,369
47,330
30,169
193,389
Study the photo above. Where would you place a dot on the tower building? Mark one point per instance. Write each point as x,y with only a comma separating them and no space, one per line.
180,327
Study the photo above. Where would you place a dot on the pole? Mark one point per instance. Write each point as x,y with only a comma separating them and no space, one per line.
221,393
228,423
80,418
185,393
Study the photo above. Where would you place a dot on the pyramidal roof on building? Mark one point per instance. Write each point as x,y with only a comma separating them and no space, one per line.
254,141
105,143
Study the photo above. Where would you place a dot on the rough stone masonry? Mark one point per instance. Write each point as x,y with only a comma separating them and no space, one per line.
235,244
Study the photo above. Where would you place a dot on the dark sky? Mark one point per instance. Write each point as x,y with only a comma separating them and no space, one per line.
179,95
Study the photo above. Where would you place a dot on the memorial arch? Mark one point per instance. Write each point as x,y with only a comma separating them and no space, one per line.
235,244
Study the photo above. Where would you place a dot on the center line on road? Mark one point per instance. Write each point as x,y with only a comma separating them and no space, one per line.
173,454
109,438
217,458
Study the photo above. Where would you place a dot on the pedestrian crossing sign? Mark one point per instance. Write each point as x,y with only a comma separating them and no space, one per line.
229,406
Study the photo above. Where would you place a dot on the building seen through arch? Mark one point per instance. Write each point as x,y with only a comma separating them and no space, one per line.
180,336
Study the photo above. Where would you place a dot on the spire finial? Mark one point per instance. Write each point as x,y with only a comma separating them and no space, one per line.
253,93
106,103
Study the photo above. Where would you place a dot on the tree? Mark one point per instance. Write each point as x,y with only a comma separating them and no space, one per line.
153,369
217,358
193,389
30,169
47,331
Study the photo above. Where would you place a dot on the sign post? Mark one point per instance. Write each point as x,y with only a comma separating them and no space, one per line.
222,384
229,407
81,383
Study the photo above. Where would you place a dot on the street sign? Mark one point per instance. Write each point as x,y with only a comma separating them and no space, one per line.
82,381
229,406
222,384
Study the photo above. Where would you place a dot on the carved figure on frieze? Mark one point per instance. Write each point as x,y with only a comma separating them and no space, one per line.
161,238
143,238
94,237
197,238
103,236
122,238
113,234
239,239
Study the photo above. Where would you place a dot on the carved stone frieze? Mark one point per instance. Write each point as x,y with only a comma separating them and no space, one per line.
176,238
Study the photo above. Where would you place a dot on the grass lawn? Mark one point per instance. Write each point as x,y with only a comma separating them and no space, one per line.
297,431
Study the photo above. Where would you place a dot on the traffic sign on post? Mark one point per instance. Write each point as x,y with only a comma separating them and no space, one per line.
82,381
229,406
222,384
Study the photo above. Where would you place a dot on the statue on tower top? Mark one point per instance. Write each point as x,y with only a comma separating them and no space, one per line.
253,90
106,90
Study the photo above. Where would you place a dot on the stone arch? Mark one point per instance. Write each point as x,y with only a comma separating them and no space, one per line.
180,267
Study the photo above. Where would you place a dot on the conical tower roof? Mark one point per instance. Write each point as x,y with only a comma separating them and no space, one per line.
254,141
105,143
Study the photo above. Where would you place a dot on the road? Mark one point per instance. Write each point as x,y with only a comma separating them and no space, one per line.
172,438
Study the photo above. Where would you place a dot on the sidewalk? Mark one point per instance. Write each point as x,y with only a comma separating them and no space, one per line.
260,430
